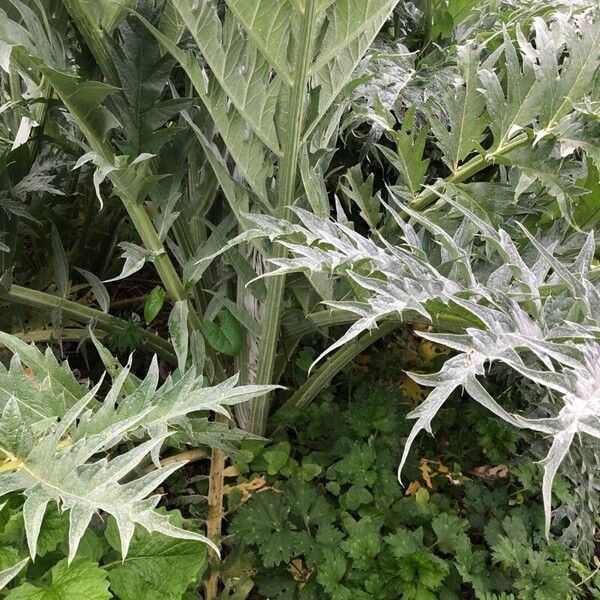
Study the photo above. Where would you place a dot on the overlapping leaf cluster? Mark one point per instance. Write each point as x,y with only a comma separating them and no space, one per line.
62,445
196,114
498,290
533,310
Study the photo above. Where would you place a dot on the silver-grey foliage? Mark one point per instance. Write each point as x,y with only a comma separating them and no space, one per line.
535,311
61,444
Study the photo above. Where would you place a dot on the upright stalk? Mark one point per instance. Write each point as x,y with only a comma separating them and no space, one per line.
288,173
135,208
147,232
40,115
215,513
428,18
94,38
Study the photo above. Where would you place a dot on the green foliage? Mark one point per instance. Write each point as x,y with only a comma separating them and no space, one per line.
460,538
122,341
81,579
143,72
161,566
156,566
410,147
154,304
462,268
427,161
225,334
461,130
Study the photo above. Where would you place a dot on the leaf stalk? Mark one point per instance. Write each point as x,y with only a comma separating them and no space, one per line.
470,168
289,167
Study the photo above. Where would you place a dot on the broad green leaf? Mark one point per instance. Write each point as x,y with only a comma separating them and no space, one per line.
245,147
154,304
351,27
84,101
364,542
314,184
157,567
265,524
237,65
448,15
81,579
92,546
107,14
33,35
53,531
9,573
332,570
36,402
244,318
45,367
566,85
587,212
422,571
8,558
234,192
360,191
225,334
269,25
464,108
143,71
516,108
450,533
410,144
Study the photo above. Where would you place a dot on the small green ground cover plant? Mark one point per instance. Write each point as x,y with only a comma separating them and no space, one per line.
328,519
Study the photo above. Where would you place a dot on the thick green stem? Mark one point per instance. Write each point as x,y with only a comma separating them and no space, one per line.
85,314
147,232
428,19
41,115
333,365
44,336
470,168
137,212
268,349
329,318
94,38
287,186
